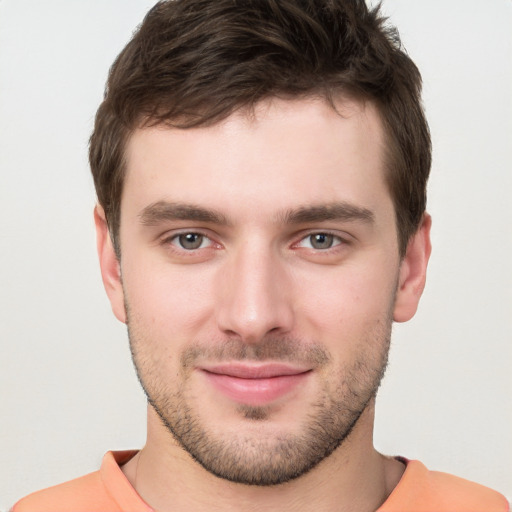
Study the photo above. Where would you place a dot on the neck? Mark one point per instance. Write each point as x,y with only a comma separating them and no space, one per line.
355,478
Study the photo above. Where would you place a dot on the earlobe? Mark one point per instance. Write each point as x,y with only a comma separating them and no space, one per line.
413,271
109,264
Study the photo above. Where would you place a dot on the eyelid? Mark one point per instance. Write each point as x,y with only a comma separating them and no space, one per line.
341,238
170,238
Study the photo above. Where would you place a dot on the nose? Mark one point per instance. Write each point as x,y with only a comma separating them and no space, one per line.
254,295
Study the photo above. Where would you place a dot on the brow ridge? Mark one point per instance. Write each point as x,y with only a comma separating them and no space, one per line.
162,211
336,211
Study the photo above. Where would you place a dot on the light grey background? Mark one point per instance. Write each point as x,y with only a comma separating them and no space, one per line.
68,391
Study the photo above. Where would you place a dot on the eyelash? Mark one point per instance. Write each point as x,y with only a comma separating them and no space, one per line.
336,240
174,242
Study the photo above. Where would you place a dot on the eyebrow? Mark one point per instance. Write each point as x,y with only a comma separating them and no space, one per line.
338,211
162,211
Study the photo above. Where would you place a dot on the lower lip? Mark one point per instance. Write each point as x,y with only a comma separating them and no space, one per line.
255,391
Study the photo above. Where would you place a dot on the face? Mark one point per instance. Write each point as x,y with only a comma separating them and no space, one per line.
259,278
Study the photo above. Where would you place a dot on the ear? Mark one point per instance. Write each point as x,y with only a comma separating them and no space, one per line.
413,272
109,264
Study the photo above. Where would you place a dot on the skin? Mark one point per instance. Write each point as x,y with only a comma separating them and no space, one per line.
257,281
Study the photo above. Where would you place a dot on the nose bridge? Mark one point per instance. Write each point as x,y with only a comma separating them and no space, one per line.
254,298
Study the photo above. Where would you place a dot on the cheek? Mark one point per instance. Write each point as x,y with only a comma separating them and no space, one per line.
168,301
350,302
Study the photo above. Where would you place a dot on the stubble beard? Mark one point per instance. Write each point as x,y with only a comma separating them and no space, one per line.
256,456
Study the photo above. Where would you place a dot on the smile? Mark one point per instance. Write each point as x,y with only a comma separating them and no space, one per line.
255,385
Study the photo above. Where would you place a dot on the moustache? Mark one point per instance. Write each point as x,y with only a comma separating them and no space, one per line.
271,348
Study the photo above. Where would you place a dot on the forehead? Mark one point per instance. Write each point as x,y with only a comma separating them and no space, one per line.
282,154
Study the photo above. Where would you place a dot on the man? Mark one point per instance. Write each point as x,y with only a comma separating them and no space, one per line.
261,171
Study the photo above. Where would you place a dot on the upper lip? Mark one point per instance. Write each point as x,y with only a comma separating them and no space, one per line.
255,371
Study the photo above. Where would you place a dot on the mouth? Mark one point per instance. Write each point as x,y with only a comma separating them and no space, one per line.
255,384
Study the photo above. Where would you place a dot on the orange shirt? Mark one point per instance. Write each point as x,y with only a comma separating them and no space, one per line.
108,490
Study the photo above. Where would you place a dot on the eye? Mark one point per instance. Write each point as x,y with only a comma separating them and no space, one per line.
191,241
320,241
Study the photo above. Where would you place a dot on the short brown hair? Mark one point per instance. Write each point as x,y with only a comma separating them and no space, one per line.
194,62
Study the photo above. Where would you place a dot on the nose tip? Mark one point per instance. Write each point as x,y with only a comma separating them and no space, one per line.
254,299
251,328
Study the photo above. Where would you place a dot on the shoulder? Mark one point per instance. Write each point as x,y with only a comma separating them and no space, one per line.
471,496
86,493
106,490
421,490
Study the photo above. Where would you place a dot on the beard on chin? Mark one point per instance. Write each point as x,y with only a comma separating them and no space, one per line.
257,455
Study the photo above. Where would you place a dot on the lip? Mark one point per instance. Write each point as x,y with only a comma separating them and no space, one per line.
255,385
